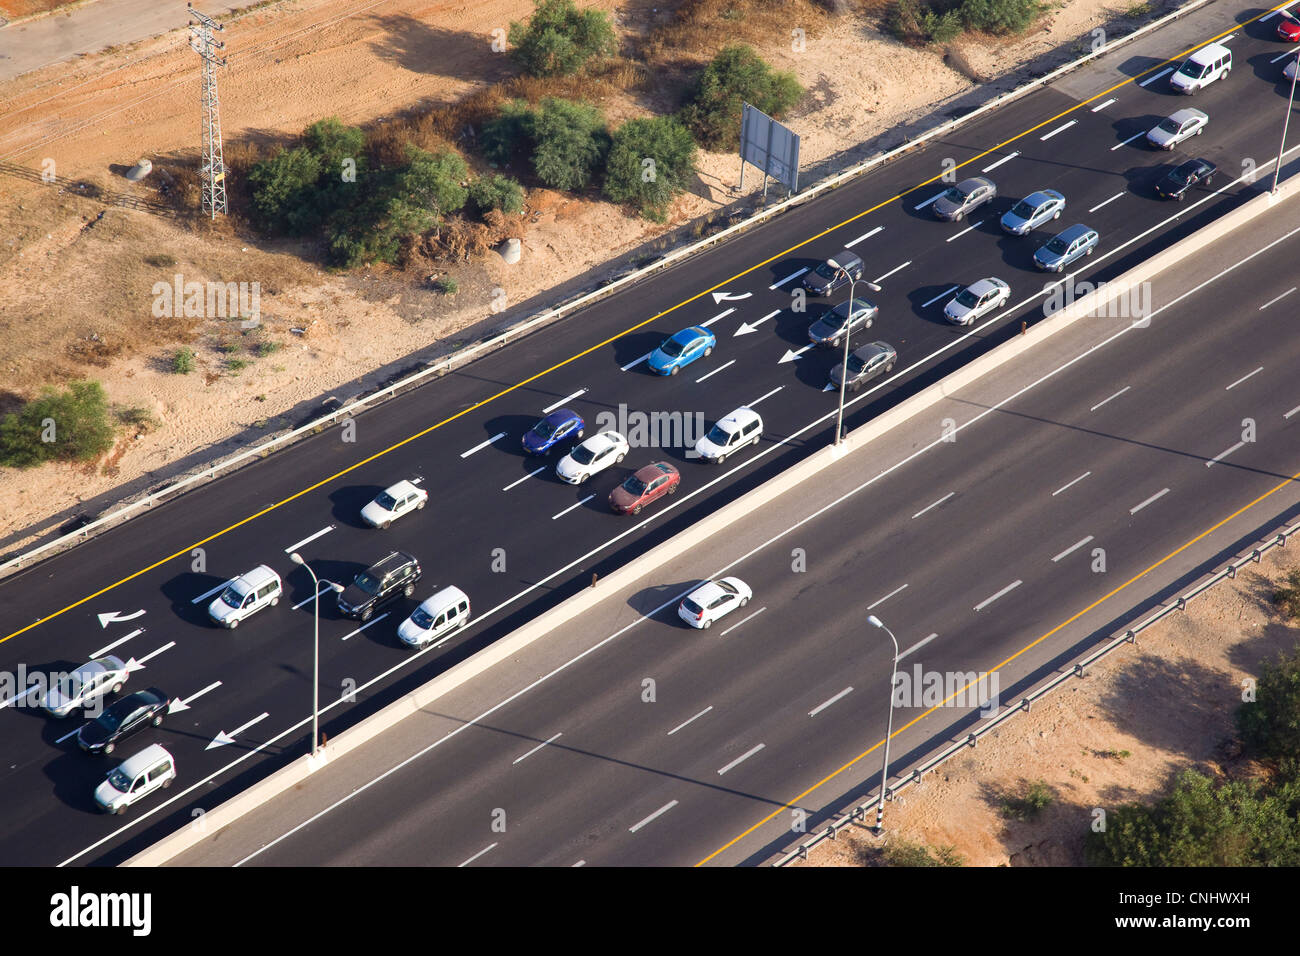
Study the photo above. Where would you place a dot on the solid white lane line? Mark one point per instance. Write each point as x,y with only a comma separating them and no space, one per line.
720,315
892,271
945,292
742,621
1292,412
1151,79
207,594
768,395
792,275
865,235
1106,203
1227,38
370,623
308,540
1004,159
152,654
1102,106
524,478
1105,400
1278,299
1224,454
571,507
637,362
685,722
934,505
564,401
886,597
822,706
1281,56
662,810
1072,548
1127,141
479,447
741,758
917,646
715,371
1059,129
964,231
1158,495
1075,482
70,733
934,198
476,856
1243,378
538,747
1006,590
324,586
117,643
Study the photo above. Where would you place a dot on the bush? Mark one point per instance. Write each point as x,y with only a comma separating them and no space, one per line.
571,143
651,187
940,27
737,75
496,192
1287,597
902,853
183,361
76,421
265,347
560,39
1000,16
509,134
1038,797
1270,726
281,190
447,285
909,21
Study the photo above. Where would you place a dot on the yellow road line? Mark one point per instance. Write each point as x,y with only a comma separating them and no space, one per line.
613,338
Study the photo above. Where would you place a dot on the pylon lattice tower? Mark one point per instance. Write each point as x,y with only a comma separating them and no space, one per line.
214,167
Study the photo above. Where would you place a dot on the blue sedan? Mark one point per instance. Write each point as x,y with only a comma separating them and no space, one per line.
551,430
1066,247
1032,211
681,350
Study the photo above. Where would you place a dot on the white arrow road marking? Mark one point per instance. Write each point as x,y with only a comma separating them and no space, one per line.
568,398
177,705
482,445
777,285
730,296
720,315
372,621
114,616
865,235
308,540
207,594
747,327
638,361
121,640
790,356
223,738
148,657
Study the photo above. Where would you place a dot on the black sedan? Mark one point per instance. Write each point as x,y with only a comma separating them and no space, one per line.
1176,183
123,718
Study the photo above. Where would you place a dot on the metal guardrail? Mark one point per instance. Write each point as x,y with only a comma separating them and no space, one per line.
1077,669
129,510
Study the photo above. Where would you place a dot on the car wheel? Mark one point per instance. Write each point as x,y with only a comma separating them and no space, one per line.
117,811
157,720
408,590
1180,196
835,343
109,748
619,459
234,623
675,370
386,525
1200,131
117,688
856,386
420,506
956,217
721,459
274,601
708,350
1089,252
708,623
167,783
582,478
1225,73
579,432
366,614
889,368
672,489
636,510
1209,181
1058,214
867,324
744,601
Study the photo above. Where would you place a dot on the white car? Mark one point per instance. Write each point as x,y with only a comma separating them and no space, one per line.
446,611
711,601
732,433
246,595
976,301
1172,130
396,501
595,454
85,685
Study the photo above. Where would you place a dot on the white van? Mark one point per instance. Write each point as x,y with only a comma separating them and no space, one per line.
733,432
136,777
438,616
246,595
1211,62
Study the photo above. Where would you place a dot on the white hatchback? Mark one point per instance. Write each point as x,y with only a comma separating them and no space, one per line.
713,600
595,454
402,498
742,427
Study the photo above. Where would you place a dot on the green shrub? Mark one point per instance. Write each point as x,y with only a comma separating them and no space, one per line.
570,143
1000,16
737,75
432,183
508,136
183,361
265,347
651,186
281,190
1037,797
559,38
1287,597
902,853
70,425
447,285
496,192
237,365
941,27
1270,726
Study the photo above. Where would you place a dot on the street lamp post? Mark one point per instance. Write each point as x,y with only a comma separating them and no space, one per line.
889,726
1295,74
844,377
315,669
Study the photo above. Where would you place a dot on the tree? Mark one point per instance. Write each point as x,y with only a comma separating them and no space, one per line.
70,425
496,192
560,39
571,143
282,188
737,75
508,135
1270,725
649,163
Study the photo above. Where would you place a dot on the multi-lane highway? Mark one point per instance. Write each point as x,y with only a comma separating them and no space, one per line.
499,525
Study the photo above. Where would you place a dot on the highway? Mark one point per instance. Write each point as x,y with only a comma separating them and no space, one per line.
503,528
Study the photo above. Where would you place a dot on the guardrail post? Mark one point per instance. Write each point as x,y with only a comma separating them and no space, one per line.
1078,670
1281,539
1181,604
1256,555
971,738
1232,572
1025,704
1131,636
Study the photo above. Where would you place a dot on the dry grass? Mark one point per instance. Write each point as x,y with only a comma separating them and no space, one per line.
700,28
24,8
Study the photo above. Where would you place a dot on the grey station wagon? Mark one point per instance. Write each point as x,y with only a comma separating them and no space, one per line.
1066,247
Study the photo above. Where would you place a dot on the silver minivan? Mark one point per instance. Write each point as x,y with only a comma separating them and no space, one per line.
1211,62
742,427
151,769
246,595
437,617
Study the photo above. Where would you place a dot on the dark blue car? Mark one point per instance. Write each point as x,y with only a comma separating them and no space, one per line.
552,429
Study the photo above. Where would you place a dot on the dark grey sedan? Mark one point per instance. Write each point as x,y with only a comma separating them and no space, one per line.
832,325
835,272
865,364
964,198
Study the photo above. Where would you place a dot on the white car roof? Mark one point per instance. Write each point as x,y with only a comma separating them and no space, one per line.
1209,53
1182,116
132,766
984,285
706,594
401,489
734,420
257,577
602,441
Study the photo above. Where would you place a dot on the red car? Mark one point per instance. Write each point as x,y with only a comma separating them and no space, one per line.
1288,28
649,483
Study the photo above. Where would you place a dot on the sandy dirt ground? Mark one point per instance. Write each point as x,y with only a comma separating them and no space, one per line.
1120,734
77,285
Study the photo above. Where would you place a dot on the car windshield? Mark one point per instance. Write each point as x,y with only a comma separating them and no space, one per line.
582,455
719,435
672,348
967,298
120,781
386,501
634,486
826,270
1169,125
422,619
543,429
1191,69
955,195
1057,245
367,582
856,364
110,720
233,597
729,588
1183,174
1024,209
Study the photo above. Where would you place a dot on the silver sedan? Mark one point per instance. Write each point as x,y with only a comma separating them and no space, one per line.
964,198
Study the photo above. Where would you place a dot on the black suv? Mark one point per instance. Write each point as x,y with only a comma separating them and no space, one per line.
380,583
122,719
